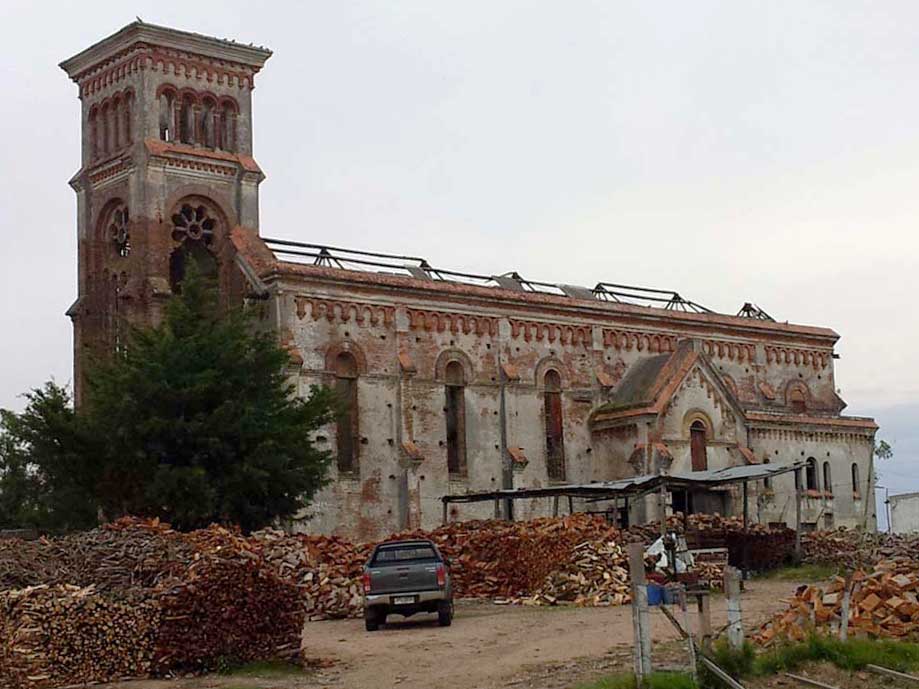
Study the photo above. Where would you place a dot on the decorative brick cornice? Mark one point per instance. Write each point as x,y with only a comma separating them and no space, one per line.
110,169
798,357
639,340
553,332
445,321
734,351
344,311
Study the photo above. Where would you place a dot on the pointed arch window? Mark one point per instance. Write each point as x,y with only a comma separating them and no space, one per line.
856,482
346,427
455,417
827,478
698,445
555,437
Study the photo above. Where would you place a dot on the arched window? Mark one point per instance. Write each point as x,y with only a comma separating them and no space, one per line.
555,437
827,478
193,227
797,400
811,480
206,126
455,414
767,482
228,126
346,427
187,120
856,483
117,121
126,123
105,133
167,116
94,133
698,445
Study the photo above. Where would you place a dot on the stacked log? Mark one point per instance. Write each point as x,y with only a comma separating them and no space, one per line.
883,604
596,575
59,635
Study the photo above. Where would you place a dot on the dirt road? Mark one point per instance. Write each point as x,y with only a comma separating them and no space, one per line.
488,646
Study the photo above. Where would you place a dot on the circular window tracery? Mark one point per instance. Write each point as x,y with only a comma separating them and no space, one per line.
119,232
194,221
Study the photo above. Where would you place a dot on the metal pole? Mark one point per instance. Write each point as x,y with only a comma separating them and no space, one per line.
662,510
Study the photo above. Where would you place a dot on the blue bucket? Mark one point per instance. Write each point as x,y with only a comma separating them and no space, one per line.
655,594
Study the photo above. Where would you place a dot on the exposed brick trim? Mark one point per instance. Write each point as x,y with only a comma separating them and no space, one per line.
446,321
344,311
563,333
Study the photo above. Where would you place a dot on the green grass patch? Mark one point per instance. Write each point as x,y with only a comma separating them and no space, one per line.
853,654
659,680
266,669
803,573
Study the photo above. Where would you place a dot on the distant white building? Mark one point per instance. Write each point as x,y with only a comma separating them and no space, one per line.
904,512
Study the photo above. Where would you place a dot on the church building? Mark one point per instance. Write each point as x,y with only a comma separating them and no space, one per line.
453,382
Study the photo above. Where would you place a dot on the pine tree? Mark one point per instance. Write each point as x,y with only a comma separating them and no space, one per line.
198,423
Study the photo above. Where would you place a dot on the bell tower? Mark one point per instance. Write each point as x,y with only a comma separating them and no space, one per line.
167,173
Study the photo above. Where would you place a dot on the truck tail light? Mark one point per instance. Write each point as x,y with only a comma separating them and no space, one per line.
441,576
366,582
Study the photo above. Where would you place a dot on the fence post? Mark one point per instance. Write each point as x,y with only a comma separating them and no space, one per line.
735,621
641,624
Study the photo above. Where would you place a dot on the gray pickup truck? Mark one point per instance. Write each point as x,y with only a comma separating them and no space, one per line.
404,578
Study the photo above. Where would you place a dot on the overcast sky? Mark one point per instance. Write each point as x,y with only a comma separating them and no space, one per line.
734,151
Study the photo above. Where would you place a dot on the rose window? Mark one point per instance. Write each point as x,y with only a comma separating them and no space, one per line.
193,222
118,231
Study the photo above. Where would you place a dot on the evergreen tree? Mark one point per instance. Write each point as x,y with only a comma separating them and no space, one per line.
47,464
192,421
198,422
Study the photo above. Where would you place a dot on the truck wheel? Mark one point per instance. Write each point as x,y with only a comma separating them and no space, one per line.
371,620
445,613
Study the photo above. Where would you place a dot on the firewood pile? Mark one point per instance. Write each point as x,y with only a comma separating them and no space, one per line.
852,548
883,604
59,635
161,603
326,569
596,574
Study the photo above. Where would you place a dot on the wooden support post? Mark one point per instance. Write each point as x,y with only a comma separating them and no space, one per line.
662,510
705,619
810,682
691,644
844,613
797,515
893,674
732,593
721,674
641,623
746,526
555,506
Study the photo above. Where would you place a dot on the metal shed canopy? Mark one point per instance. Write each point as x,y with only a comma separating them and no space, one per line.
635,485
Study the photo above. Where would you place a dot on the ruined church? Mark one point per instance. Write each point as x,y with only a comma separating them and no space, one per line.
453,382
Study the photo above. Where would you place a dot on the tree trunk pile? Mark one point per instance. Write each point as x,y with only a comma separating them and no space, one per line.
883,604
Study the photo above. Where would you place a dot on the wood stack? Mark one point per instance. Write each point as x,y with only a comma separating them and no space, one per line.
164,603
883,604
59,635
596,575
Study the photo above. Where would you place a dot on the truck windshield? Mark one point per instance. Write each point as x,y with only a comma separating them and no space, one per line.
405,553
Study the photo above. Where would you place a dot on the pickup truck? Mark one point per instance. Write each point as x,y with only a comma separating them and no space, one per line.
404,578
